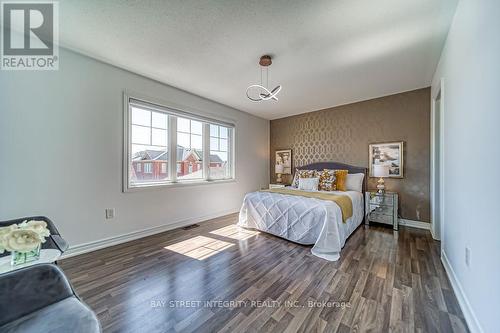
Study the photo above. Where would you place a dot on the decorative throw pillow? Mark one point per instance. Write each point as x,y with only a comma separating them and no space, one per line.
295,181
302,174
308,184
340,179
327,180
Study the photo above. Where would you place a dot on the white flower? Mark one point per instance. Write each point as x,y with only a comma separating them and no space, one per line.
40,227
22,240
4,231
23,237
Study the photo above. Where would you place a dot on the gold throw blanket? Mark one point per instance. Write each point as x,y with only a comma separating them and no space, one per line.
344,201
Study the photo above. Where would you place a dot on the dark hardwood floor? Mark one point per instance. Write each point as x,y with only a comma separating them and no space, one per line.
385,281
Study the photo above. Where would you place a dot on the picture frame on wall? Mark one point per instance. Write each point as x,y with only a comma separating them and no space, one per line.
284,157
390,154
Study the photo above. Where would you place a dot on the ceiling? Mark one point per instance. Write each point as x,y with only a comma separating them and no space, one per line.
325,53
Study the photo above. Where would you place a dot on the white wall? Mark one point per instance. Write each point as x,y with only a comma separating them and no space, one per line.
61,143
470,66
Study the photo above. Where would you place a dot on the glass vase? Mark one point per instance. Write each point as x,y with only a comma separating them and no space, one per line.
20,258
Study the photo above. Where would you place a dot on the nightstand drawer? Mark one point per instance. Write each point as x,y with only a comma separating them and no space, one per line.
382,210
382,199
381,218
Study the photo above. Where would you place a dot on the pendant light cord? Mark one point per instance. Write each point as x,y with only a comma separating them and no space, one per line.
262,69
267,77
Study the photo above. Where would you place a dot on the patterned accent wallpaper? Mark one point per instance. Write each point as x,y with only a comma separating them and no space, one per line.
343,133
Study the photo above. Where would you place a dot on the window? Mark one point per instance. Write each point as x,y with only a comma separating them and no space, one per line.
219,149
190,147
148,168
148,143
197,149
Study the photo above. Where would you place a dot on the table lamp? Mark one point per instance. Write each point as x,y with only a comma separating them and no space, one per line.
381,171
278,169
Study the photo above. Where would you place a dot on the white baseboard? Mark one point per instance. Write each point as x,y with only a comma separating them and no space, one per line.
115,240
469,315
415,224
431,229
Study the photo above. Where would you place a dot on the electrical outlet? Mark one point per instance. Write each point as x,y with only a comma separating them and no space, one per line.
467,256
110,213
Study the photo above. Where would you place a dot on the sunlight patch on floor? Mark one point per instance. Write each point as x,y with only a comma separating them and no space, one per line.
235,232
199,247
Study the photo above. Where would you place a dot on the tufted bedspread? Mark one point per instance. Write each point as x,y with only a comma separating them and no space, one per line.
302,220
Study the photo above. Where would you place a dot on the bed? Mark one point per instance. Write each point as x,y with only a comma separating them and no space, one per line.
306,220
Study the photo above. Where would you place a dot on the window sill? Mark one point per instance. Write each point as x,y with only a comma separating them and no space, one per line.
186,183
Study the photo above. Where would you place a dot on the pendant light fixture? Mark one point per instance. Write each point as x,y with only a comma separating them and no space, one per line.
261,92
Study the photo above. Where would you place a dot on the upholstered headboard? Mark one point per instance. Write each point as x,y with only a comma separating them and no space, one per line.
339,166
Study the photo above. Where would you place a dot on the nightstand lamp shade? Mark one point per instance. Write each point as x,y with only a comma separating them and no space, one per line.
381,171
279,169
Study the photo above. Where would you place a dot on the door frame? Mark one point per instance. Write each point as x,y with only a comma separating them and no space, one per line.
437,214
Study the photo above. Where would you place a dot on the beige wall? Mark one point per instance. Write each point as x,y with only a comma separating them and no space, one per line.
343,133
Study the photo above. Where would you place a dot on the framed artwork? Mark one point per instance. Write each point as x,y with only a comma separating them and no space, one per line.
284,157
391,154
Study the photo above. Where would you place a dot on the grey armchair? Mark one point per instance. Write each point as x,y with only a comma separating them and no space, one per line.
55,241
40,299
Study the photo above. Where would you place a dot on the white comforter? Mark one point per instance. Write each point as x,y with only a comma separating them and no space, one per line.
302,220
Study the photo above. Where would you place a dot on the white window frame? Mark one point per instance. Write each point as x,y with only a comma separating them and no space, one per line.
203,137
173,112
228,148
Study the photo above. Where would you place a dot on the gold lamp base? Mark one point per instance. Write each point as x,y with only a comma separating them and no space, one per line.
381,185
278,178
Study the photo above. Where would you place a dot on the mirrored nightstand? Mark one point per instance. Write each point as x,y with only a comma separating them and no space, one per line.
382,208
276,186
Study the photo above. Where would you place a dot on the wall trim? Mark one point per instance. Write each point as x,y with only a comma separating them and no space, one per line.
465,306
437,215
415,224
115,240
431,229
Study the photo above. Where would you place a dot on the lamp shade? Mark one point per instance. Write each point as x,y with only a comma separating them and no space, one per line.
279,168
380,170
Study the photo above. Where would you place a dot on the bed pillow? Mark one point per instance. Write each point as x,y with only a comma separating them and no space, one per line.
354,182
308,184
302,174
340,179
327,180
